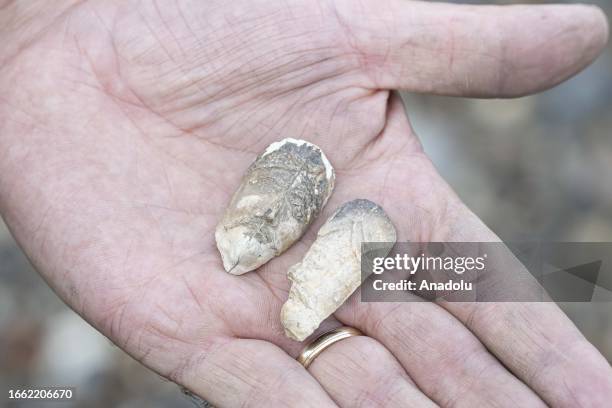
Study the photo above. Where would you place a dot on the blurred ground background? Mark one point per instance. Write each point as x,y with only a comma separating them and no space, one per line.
531,168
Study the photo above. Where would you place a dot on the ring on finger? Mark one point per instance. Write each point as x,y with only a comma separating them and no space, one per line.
317,346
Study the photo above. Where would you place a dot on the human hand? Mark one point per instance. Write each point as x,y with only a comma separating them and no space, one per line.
125,127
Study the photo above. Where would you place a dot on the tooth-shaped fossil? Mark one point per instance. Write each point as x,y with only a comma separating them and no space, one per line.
331,269
280,195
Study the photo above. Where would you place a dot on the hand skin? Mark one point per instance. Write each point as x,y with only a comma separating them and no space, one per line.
126,125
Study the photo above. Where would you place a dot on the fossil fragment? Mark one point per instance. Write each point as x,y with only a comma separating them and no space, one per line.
331,269
281,193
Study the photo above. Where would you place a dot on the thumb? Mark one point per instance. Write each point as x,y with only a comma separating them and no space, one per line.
465,50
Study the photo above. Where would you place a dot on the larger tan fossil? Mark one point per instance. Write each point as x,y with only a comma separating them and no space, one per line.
331,269
280,195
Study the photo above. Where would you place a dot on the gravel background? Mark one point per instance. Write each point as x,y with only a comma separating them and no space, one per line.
534,167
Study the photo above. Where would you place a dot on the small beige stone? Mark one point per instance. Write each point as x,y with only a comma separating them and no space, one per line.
280,195
331,269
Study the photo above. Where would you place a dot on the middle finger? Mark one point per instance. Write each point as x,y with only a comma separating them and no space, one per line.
444,358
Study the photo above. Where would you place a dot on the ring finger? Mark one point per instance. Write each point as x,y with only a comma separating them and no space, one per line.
361,372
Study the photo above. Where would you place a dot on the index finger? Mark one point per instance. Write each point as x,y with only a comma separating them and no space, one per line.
542,347
537,342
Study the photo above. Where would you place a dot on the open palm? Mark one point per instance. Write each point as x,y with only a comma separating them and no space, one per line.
126,127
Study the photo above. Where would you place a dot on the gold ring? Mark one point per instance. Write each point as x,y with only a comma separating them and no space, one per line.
316,347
